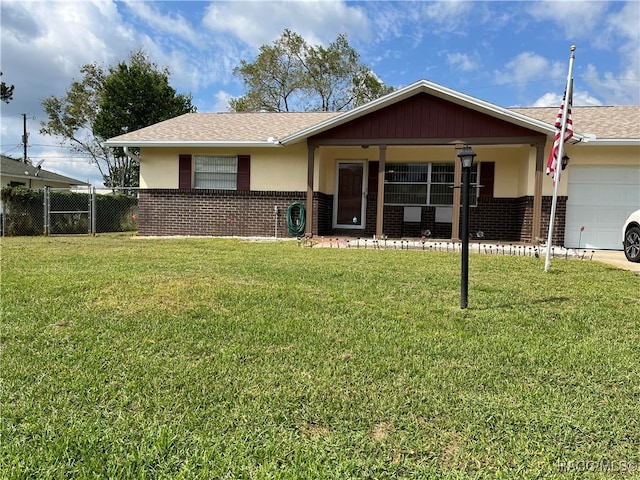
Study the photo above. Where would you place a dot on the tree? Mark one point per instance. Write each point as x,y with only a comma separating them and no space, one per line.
292,75
6,91
134,96
336,76
71,117
274,80
106,104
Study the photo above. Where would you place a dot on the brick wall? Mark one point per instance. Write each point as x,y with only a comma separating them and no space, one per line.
216,212
561,216
234,213
511,219
497,218
503,219
323,214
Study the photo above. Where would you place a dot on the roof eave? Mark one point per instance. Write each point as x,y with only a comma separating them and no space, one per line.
45,178
611,142
192,144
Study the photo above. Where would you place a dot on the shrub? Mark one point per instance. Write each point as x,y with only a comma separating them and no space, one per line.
23,210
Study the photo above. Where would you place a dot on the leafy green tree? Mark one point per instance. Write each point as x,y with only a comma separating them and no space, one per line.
274,80
336,80
71,117
134,96
292,75
6,91
104,104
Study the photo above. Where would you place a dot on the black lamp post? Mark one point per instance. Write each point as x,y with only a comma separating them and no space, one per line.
466,156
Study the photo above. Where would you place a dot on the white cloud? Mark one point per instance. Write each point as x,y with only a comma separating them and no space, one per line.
529,67
548,100
449,16
580,98
577,19
75,167
221,103
43,51
620,88
610,26
395,20
173,25
462,62
259,23
43,46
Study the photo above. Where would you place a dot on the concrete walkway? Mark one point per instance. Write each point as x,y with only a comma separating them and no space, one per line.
617,259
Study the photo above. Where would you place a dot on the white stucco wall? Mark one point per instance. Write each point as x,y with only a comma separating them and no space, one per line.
285,168
590,154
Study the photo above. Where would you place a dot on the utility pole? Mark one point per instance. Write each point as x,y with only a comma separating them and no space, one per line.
25,136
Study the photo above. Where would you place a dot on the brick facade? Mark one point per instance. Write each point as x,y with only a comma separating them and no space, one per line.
215,212
236,213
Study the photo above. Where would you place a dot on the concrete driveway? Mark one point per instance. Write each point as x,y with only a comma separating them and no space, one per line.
617,259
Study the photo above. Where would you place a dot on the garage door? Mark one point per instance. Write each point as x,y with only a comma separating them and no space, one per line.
599,201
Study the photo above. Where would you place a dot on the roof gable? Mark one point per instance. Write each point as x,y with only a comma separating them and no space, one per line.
437,91
425,118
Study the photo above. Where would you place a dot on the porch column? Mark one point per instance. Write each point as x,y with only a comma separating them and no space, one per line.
380,206
310,171
457,183
537,193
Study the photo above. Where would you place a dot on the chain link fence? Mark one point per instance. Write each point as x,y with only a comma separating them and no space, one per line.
58,211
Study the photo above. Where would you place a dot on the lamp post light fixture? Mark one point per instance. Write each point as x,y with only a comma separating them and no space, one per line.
466,156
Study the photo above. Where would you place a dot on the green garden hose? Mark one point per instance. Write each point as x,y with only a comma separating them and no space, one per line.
296,223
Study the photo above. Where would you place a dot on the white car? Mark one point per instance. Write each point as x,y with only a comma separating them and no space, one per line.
631,237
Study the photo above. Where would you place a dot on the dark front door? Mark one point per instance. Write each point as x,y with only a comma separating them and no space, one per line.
349,205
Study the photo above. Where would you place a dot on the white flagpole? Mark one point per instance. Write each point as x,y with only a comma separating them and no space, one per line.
558,170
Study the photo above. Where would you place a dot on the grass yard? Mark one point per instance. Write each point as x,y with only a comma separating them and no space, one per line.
210,358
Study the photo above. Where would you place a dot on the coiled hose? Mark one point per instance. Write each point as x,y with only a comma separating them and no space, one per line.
296,223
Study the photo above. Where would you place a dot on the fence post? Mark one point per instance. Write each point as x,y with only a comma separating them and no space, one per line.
92,209
46,205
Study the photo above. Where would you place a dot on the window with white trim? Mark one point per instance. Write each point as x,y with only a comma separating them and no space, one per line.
218,172
424,184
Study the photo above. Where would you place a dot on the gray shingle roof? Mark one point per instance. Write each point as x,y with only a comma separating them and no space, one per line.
229,127
17,168
603,121
615,122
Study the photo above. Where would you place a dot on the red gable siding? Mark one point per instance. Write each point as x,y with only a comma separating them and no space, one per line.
424,116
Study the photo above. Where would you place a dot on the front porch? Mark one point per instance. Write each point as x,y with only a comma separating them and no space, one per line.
421,136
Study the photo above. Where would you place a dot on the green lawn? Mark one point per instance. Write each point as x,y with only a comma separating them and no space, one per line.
209,358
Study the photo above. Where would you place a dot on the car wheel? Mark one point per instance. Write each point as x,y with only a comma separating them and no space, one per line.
632,244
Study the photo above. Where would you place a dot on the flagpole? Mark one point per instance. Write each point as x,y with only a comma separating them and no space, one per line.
558,170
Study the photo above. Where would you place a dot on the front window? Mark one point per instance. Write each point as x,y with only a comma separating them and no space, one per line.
218,172
406,184
425,184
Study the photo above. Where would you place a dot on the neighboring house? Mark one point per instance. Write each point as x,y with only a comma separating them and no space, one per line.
390,168
14,172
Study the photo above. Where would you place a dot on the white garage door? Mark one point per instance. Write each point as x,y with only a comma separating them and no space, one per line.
600,199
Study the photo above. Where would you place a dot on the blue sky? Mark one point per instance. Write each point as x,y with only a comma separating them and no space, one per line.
508,53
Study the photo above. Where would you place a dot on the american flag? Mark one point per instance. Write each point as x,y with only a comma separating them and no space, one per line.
553,162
